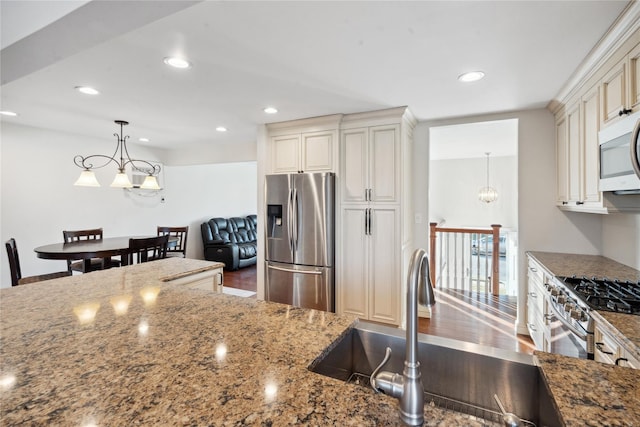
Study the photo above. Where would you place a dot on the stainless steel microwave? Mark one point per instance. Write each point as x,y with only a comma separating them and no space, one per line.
620,156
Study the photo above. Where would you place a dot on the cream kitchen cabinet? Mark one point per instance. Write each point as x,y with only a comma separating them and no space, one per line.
621,88
609,350
578,155
370,167
609,90
537,309
614,93
308,145
376,217
369,285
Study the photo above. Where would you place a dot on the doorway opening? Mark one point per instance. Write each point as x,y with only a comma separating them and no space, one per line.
459,169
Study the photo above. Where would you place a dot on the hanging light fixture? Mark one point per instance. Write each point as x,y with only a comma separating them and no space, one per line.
88,178
488,194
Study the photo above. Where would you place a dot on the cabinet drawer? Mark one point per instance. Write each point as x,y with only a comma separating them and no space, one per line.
607,349
536,291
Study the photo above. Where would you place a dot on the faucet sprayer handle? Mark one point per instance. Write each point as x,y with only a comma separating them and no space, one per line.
387,356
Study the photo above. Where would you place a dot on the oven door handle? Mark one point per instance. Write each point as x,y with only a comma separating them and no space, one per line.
560,317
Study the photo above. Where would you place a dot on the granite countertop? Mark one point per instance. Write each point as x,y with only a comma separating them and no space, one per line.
626,328
126,347
591,394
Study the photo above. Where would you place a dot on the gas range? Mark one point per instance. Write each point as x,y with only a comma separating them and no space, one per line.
604,294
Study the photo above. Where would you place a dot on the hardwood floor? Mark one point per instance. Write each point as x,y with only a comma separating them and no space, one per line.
485,320
479,319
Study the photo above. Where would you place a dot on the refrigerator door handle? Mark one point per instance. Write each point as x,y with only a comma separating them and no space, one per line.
369,224
290,220
290,270
295,219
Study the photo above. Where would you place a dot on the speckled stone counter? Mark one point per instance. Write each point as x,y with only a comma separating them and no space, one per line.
560,264
623,326
588,393
126,347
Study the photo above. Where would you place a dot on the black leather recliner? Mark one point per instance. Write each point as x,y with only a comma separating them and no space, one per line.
232,241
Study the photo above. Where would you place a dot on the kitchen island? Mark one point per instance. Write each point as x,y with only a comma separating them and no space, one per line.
126,346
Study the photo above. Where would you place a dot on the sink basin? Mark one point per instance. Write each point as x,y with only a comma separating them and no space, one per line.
459,376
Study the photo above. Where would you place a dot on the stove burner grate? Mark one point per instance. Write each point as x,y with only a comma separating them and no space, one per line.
605,294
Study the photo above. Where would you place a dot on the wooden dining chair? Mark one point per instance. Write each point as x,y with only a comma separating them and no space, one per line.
16,271
180,248
96,263
147,249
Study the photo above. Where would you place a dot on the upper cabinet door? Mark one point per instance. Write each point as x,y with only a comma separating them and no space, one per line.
355,182
562,161
574,152
634,78
318,151
285,153
614,93
591,147
384,161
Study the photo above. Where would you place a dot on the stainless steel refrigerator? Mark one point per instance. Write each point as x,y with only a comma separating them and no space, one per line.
300,223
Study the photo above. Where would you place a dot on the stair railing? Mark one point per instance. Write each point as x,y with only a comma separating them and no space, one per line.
465,258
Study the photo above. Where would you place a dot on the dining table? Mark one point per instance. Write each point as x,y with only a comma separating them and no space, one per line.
86,249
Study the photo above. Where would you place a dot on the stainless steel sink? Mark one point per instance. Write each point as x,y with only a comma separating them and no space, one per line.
456,375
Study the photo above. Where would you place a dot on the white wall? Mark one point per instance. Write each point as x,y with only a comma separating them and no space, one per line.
38,199
541,225
621,238
453,192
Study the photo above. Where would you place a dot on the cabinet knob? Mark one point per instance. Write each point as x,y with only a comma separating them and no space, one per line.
579,203
624,111
565,203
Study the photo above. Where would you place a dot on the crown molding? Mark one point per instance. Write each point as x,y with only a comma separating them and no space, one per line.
627,23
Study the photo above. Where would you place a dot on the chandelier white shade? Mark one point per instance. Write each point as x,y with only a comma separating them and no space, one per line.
121,180
488,194
121,158
150,183
87,179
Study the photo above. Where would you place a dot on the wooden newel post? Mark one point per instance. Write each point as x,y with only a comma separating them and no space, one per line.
495,260
432,252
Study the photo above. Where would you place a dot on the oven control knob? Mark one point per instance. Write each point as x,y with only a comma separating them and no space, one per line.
568,307
562,299
554,291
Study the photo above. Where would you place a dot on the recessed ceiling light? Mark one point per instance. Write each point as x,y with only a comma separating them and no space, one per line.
270,110
471,76
8,113
87,90
177,62
143,139
221,129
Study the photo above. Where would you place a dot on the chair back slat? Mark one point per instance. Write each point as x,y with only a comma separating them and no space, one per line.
77,235
70,236
181,234
148,248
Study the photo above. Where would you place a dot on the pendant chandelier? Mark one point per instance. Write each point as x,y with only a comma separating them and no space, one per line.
488,194
88,178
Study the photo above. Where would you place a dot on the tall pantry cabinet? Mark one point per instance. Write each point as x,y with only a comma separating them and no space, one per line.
375,206
370,153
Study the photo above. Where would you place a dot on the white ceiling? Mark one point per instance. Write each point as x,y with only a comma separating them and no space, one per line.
305,58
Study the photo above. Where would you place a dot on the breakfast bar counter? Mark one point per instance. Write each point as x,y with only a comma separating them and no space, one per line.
126,346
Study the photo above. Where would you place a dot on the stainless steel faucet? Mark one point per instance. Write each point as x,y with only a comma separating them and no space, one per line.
407,388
